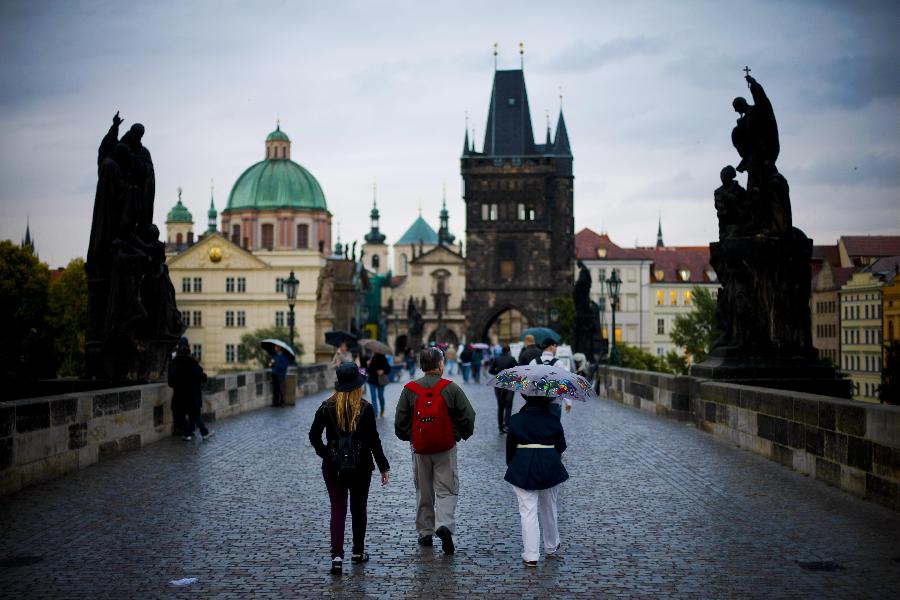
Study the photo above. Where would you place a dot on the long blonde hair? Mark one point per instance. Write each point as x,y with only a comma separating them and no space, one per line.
347,405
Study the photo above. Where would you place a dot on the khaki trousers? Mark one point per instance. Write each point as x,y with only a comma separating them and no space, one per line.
437,488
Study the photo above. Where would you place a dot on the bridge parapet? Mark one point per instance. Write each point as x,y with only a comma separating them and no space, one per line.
854,446
43,438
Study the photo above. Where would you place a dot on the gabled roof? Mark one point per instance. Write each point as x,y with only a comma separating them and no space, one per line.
885,266
829,254
842,275
434,256
671,260
419,231
589,245
871,245
508,131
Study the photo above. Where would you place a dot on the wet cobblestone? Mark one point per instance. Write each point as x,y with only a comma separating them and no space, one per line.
654,509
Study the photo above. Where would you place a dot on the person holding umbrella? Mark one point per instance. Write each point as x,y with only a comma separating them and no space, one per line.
347,459
279,374
548,357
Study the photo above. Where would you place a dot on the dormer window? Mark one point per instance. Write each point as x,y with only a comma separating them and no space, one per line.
711,275
684,274
659,274
601,252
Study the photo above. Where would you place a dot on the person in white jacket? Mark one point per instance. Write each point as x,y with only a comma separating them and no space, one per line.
548,357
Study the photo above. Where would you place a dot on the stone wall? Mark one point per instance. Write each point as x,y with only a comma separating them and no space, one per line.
848,444
43,438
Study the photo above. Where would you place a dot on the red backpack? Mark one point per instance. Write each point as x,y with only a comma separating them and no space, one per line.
432,429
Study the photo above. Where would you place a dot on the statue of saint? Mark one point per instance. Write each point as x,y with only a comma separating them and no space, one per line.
756,135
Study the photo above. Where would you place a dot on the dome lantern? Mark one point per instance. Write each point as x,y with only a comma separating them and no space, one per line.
278,145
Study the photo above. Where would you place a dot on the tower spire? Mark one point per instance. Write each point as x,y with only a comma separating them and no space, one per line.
211,214
659,235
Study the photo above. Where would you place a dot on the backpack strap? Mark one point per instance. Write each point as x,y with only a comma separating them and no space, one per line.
420,390
551,362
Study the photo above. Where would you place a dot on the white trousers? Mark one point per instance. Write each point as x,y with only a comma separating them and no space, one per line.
538,509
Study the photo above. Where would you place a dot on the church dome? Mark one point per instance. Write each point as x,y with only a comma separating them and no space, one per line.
276,182
179,213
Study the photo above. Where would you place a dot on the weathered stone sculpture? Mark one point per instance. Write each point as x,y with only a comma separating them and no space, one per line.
414,326
583,337
133,319
763,264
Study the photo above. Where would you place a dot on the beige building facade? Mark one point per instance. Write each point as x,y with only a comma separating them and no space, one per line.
861,334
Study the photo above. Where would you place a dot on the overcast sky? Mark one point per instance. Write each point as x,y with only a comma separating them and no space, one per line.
377,92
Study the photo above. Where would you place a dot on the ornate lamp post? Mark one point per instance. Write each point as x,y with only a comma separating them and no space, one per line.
290,289
612,286
601,309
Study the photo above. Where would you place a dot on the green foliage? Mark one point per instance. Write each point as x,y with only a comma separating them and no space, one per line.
565,323
677,362
24,346
67,318
632,357
889,390
255,355
697,330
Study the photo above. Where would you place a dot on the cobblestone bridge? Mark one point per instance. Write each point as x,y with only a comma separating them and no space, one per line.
654,509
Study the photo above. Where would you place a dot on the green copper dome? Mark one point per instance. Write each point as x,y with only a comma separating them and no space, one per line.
276,183
179,214
277,136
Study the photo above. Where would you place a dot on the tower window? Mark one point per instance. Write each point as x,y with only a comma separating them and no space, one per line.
236,234
520,210
179,240
268,236
375,262
303,236
506,252
403,263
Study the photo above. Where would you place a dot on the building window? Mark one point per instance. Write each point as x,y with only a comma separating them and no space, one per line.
279,285
484,212
403,263
660,297
529,213
197,351
179,240
688,299
241,318
198,319
684,274
241,353
506,253
229,353
229,318
229,284
268,236
376,262
236,234
279,318
673,298
520,211
241,284
661,326
488,212
185,285
659,351
198,285
601,276
303,236
186,318
660,275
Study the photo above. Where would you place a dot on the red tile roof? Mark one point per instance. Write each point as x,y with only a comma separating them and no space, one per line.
842,275
872,245
829,254
589,245
672,260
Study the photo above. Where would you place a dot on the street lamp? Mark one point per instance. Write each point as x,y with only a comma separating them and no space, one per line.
612,285
290,289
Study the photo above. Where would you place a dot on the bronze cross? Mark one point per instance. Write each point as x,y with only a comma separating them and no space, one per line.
746,70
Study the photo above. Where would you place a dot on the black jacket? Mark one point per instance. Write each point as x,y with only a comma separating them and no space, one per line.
535,468
529,354
366,435
378,361
501,363
186,378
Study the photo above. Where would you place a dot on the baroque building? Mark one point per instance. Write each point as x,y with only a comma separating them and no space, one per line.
520,242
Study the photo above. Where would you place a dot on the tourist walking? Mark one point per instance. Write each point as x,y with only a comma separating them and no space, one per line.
377,371
434,414
352,442
186,378
477,357
534,446
279,375
548,357
530,351
450,359
504,397
410,360
465,362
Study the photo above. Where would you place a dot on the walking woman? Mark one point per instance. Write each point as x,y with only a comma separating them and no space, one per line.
377,370
534,445
349,425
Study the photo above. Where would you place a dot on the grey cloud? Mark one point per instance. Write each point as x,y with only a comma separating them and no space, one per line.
585,56
871,170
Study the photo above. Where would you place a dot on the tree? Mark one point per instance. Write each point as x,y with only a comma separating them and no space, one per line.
253,352
698,329
677,362
889,390
632,357
67,318
565,323
24,348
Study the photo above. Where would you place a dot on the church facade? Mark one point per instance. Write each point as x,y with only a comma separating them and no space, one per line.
520,241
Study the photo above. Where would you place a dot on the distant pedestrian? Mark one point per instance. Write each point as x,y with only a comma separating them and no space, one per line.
530,352
534,446
450,358
410,361
279,375
548,357
477,357
377,371
352,442
341,355
465,362
434,414
186,378
504,397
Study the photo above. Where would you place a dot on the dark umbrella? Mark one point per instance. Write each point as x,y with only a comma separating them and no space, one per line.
269,346
338,336
540,334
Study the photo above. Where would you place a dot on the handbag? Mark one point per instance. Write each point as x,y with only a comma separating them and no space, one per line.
383,380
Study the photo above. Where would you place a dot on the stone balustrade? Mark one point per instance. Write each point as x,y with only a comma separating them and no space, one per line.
852,445
43,438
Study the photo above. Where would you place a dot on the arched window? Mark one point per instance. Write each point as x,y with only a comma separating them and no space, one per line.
403,264
179,240
376,262
268,236
303,235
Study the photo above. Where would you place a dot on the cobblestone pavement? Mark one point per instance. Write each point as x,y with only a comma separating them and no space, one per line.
654,509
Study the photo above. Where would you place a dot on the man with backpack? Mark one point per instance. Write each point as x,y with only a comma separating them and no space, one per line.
434,414
548,357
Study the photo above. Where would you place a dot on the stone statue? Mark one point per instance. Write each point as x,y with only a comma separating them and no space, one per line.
414,326
762,262
584,316
133,319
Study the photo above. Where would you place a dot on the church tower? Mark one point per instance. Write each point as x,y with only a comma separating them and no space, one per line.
375,249
520,224
179,227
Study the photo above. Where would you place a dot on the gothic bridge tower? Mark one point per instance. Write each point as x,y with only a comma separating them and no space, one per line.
520,240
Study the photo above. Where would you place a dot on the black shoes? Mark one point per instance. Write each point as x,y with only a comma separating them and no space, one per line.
337,565
359,558
426,540
446,539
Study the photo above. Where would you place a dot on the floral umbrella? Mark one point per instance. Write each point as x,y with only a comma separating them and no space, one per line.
544,380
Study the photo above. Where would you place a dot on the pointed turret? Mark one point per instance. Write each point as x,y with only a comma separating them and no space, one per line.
509,131
28,241
466,144
659,237
374,236
561,144
212,215
444,235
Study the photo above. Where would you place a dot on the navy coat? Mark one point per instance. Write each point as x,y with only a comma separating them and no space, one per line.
535,468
